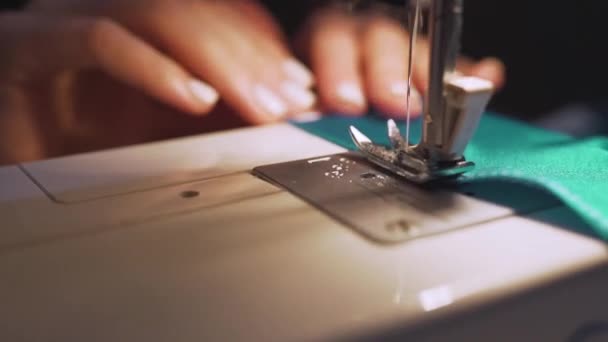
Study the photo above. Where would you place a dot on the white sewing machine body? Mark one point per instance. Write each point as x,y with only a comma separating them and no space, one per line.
177,241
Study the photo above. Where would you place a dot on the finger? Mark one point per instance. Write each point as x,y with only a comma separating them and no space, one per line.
224,51
254,12
491,69
385,50
66,44
290,67
333,50
134,62
220,52
270,58
273,66
20,141
272,41
291,78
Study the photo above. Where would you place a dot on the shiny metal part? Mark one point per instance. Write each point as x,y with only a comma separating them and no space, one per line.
377,203
453,107
410,163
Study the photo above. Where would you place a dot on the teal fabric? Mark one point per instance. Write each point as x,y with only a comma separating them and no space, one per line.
576,171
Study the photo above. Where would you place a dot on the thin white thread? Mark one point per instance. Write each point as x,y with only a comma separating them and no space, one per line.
413,36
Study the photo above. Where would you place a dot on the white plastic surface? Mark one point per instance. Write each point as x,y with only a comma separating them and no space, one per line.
245,261
125,170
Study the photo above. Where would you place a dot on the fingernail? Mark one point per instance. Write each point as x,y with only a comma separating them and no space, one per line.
297,72
271,102
307,117
399,89
300,96
351,93
203,92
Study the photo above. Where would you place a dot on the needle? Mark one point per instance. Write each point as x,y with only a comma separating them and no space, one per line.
413,28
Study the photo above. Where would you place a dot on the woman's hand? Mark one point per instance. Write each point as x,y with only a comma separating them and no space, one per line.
361,61
84,75
185,53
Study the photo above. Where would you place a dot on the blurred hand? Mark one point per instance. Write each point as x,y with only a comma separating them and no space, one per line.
80,75
185,54
361,61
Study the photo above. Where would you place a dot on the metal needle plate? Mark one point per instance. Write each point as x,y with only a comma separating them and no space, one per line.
376,203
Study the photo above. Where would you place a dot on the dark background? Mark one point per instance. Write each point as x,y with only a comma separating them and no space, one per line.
554,49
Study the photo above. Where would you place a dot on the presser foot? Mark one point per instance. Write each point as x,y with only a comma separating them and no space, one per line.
410,162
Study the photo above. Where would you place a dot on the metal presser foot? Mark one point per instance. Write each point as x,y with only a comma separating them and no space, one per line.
453,107
412,162
466,98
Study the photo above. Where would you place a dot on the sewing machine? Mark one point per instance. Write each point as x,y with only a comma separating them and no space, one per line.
293,238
